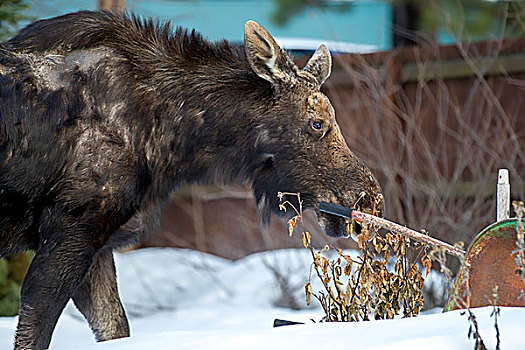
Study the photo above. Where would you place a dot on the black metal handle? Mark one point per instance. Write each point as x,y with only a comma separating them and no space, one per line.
335,209
279,323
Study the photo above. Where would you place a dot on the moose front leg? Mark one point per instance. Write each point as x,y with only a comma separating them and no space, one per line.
59,266
98,300
70,239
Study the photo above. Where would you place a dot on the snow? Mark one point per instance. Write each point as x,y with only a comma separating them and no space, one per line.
310,44
181,299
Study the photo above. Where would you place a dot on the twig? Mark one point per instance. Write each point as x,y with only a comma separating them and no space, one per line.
496,312
474,331
359,275
338,289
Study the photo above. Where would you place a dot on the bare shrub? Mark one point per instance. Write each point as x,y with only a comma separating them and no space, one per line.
433,123
436,142
379,283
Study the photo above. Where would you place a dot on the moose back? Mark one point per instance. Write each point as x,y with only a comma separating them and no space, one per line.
102,115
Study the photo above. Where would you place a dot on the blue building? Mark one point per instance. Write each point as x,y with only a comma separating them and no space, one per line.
364,27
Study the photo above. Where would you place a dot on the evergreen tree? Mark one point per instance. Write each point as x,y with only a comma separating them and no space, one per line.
12,272
12,268
10,15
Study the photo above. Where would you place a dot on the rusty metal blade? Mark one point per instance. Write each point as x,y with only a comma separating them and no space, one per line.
489,262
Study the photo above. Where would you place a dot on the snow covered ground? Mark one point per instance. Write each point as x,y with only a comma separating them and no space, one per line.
180,299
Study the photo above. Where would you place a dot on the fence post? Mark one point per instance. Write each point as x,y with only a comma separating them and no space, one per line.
503,204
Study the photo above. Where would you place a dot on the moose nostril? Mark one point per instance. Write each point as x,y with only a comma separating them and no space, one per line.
358,228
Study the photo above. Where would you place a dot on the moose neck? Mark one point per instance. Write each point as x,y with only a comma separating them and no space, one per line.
193,106
209,113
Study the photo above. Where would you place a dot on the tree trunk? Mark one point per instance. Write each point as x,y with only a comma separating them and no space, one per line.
406,21
115,5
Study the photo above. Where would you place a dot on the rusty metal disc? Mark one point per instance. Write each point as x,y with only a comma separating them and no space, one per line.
490,262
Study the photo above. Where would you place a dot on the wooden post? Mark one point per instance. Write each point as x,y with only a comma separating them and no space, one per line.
503,204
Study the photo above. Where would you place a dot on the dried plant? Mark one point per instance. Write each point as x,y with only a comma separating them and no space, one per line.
381,283
473,331
434,141
519,209
440,257
463,300
496,314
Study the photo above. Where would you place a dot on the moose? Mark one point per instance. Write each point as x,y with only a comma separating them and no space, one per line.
103,115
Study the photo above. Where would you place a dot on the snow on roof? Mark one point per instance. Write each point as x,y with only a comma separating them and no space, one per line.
306,44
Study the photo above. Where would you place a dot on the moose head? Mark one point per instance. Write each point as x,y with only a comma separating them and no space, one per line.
301,148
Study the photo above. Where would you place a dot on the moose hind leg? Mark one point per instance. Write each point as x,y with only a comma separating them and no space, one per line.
98,300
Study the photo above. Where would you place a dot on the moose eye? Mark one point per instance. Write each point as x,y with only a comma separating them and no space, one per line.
317,126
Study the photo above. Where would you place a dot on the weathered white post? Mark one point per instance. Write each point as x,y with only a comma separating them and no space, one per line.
503,204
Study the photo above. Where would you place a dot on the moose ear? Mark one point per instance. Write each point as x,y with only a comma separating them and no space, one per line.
320,64
262,52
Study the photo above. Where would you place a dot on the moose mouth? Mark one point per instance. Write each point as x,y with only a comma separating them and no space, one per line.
336,221
334,226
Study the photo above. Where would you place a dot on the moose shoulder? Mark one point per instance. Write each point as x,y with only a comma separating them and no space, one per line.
102,115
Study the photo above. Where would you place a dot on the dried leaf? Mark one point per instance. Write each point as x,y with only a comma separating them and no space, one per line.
338,271
317,260
307,239
348,260
361,240
427,263
292,224
308,290
324,264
